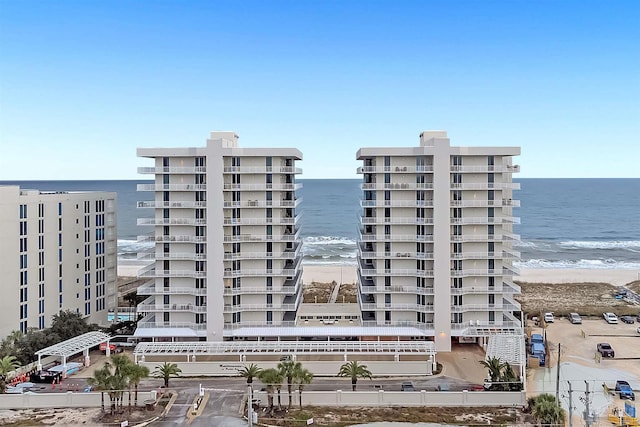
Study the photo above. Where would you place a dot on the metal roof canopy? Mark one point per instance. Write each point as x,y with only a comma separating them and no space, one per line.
508,348
267,347
325,331
74,345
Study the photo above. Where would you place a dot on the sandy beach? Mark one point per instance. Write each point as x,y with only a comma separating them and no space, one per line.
347,274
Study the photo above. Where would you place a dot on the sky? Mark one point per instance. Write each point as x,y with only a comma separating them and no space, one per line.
84,83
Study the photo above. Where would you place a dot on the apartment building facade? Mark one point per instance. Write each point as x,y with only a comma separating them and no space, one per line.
57,252
226,247
435,250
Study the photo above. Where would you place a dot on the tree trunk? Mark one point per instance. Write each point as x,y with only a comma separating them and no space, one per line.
289,390
279,400
353,384
300,396
136,401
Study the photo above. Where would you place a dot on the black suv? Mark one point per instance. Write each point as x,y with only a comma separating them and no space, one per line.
605,350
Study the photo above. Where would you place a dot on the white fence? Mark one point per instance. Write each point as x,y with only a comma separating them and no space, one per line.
319,368
67,400
402,398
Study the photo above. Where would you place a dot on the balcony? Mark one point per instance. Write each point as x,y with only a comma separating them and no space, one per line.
150,288
486,220
262,169
395,289
229,256
149,322
263,187
172,170
484,307
171,187
477,238
395,220
175,308
263,238
401,323
397,186
485,203
171,205
395,237
175,256
285,290
486,186
486,168
396,307
396,203
397,169
396,272
172,273
171,221
399,255
260,272
274,324
261,221
172,238
264,203
228,308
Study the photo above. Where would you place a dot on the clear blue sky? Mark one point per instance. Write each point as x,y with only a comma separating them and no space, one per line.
83,83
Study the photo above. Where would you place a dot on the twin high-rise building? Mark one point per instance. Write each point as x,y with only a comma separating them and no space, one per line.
435,253
57,252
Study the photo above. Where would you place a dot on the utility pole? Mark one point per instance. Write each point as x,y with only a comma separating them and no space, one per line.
558,377
587,412
249,407
570,405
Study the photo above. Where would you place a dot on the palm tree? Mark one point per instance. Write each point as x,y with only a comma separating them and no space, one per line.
302,377
101,380
509,379
270,377
166,371
136,374
495,367
8,364
250,372
288,370
546,410
354,371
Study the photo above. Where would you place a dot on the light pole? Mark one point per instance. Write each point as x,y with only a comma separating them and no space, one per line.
249,406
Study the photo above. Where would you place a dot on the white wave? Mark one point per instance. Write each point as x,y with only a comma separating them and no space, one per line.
582,263
328,240
133,246
609,244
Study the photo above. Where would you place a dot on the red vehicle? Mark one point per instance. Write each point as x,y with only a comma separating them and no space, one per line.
112,348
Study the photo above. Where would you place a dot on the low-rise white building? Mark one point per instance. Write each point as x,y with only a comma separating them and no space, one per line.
57,252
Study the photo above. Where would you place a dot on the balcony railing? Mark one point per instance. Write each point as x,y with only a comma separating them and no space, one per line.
285,290
401,323
260,272
396,272
398,169
274,324
161,308
171,221
263,187
381,255
261,221
395,220
396,307
262,238
397,186
228,308
484,307
228,256
486,186
486,220
262,169
264,203
150,289
395,289
486,168
395,237
171,187
485,203
173,273
174,170
173,238
177,256
396,203
161,324
173,205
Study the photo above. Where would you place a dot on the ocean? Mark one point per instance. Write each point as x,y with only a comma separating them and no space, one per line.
565,223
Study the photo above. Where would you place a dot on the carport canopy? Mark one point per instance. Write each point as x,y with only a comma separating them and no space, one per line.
509,348
75,345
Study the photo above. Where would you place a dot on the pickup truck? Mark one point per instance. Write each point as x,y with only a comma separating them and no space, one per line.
624,390
605,350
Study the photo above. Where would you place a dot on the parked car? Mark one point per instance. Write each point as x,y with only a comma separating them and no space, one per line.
627,319
575,318
610,317
407,386
605,350
638,330
548,318
112,348
624,390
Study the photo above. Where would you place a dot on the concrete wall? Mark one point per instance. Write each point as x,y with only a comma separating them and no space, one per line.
66,400
400,398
